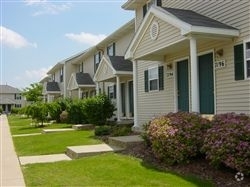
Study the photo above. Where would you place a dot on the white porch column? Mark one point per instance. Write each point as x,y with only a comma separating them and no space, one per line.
97,88
79,93
127,99
136,126
118,98
195,99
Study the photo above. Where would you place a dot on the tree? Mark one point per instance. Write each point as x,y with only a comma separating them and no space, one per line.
39,112
33,93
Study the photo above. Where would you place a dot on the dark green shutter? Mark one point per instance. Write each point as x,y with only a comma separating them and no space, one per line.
113,49
145,10
114,91
158,3
108,93
238,62
146,80
161,77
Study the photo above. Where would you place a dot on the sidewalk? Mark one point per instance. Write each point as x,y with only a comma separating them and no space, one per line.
10,170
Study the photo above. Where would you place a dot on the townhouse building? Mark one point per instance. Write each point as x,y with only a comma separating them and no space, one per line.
190,56
10,97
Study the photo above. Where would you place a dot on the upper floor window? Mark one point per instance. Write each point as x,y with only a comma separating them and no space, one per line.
111,49
81,67
53,77
97,59
149,3
242,61
61,74
154,78
18,96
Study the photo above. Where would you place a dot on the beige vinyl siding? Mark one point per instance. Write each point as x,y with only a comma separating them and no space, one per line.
121,45
88,66
107,74
168,34
153,103
235,13
139,17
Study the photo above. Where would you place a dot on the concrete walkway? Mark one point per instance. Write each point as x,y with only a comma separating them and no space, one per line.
10,170
43,158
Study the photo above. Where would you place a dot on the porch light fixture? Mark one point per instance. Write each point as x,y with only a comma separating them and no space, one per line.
219,53
169,66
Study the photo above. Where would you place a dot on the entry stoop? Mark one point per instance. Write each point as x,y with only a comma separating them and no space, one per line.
75,152
126,142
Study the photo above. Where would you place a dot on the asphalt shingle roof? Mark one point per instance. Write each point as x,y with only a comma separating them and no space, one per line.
196,19
6,89
84,79
120,64
52,87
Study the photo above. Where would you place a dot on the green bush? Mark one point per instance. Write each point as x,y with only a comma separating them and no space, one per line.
176,137
121,130
76,112
102,130
228,142
15,110
54,111
98,109
39,112
1,110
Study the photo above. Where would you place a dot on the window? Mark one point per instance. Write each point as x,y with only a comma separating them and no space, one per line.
111,50
154,79
18,96
61,74
53,77
81,67
97,59
147,6
18,105
112,92
242,61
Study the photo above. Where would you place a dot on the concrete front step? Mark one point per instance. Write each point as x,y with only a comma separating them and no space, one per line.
56,130
75,152
83,127
126,142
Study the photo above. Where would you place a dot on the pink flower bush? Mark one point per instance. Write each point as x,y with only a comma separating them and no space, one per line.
228,142
176,137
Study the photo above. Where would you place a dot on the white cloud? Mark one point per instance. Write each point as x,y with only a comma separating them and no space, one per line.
86,38
12,39
46,7
37,74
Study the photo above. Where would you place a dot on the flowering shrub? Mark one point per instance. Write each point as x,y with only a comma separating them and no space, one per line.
176,137
228,142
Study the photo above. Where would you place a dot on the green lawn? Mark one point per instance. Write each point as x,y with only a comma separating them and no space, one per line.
105,170
22,125
52,143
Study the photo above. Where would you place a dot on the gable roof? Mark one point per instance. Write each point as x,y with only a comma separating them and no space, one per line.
84,79
6,89
196,19
187,21
4,100
52,87
121,64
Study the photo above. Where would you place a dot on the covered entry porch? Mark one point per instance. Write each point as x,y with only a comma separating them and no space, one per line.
114,77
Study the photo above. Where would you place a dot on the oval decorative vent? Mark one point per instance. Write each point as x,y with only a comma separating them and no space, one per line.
154,30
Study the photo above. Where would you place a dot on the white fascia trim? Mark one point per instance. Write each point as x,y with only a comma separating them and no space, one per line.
87,86
53,92
124,73
71,81
210,30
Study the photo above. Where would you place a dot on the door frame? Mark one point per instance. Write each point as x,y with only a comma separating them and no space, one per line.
176,82
215,91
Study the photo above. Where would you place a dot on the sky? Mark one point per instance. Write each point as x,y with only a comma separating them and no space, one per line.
36,34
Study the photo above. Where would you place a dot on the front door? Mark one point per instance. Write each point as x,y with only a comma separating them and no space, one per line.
182,85
206,83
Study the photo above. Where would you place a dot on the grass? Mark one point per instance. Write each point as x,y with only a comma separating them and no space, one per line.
52,143
22,125
105,170
109,169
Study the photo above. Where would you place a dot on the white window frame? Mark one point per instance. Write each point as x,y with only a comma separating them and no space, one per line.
81,67
110,48
150,69
245,57
61,74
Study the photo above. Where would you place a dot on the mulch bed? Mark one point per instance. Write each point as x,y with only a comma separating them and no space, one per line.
223,177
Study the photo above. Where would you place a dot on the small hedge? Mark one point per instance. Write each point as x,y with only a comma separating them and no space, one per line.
228,142
176,137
